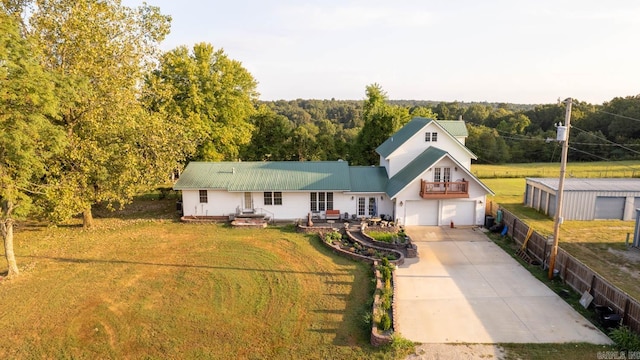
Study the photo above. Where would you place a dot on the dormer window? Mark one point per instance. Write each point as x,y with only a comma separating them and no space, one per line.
431,136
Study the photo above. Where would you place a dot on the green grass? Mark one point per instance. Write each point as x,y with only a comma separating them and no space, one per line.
577,169
137,287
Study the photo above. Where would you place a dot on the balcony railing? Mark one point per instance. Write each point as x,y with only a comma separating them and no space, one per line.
444,190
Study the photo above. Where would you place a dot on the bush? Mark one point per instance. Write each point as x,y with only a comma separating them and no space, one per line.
385,322
386,273
625,339
385,261
367,320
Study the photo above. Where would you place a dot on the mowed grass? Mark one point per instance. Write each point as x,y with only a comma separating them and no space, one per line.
601,244
144,288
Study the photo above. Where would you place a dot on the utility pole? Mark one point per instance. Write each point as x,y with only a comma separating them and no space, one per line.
564,137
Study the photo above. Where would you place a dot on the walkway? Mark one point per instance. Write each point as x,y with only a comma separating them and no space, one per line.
464,288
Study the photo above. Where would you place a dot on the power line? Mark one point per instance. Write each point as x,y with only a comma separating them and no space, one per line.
607,140
620,116
590,154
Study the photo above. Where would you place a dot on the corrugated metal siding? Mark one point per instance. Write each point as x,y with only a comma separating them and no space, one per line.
580,195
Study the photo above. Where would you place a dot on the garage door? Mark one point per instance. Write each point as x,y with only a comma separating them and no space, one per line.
421,212
609,207
461,212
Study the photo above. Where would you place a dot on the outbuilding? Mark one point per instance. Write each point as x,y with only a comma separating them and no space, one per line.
584,198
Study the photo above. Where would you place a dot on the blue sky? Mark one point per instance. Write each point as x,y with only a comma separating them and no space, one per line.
498,51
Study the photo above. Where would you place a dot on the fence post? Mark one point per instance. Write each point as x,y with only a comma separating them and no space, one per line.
624,313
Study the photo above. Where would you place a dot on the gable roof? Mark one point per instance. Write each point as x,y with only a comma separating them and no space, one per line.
455,128
266,176
411,172
401,136
420,164
368,178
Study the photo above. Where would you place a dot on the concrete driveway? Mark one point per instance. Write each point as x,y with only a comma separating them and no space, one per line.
463,288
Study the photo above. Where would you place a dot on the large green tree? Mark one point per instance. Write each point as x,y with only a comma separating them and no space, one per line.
381,120
99,51
271,138
28,139
210,95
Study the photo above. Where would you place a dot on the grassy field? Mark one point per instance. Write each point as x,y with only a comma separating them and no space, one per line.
145,286
576,169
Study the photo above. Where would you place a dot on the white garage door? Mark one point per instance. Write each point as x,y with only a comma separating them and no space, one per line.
461,212
421,212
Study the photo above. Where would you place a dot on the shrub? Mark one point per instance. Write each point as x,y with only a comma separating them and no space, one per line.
386,273
385,322
367,320
385,261
625,339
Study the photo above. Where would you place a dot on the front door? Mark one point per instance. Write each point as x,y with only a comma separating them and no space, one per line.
248,201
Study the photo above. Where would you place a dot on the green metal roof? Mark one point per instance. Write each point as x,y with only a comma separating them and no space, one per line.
456,128
402,135
264,176
413,170
368,178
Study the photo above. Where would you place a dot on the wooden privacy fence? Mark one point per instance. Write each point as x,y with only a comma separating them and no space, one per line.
576,274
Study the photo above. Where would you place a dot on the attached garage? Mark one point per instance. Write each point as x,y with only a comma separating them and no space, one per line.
461,212
421,212
586,199
440,212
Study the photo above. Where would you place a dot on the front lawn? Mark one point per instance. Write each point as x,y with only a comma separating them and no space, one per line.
145,288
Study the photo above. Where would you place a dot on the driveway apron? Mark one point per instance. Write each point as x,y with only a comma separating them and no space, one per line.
463,288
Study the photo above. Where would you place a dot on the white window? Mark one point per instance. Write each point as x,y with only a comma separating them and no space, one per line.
272,198
447,174
203,196
372,206
436,174
321,201
431,136
361,202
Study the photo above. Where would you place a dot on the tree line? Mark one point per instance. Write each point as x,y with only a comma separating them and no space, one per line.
91,111
498,132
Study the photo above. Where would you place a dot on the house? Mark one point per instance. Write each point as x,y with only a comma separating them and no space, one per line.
423,178
585,199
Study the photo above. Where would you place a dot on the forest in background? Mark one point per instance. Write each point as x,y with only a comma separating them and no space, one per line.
498,132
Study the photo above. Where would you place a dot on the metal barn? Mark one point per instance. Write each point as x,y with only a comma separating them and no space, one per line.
585,199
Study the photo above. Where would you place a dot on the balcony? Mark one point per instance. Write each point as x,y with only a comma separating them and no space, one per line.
444,190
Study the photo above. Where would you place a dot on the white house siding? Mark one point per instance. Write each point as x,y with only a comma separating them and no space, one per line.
447,209
219,203
295,205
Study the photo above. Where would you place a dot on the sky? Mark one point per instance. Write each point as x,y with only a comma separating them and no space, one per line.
526,51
